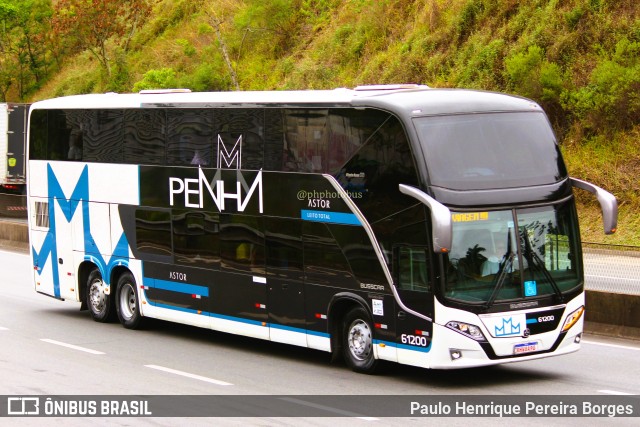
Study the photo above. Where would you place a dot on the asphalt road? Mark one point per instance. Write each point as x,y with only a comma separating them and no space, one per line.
49,347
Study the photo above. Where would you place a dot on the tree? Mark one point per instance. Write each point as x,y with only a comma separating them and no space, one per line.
23,50
92,24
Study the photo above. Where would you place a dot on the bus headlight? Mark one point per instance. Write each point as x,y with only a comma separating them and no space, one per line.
467,329
572,319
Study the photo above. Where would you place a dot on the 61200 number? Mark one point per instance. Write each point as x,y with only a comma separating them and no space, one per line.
414,340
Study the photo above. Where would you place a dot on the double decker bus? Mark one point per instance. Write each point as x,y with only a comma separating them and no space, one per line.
429,227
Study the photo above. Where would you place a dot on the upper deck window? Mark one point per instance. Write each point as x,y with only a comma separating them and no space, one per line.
487,151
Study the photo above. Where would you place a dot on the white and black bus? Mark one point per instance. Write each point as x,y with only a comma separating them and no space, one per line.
434,228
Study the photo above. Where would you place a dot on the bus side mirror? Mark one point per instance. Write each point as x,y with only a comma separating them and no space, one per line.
608,204
440,218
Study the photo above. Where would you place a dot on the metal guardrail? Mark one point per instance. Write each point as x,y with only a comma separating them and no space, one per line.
612,268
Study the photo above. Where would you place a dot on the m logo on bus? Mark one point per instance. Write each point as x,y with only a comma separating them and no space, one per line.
194,190
226,158
509,327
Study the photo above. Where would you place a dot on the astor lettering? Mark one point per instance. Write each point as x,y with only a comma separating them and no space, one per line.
319,203
175,275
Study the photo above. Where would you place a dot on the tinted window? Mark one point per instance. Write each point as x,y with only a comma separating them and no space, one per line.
484,151
412,269
239,140
284,248
196,239
356,248
153,232
242,243
103,132
306,140
298,140
190,137
50,137
274,139
39,135
324,262
144,136
350,130
374,172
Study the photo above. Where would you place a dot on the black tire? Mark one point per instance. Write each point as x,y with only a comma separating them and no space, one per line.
127,304
357,341
100,304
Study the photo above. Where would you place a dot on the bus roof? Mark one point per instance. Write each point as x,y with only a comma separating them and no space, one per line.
408,100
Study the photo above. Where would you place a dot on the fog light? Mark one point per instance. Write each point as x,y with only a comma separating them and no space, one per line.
578,338
455,354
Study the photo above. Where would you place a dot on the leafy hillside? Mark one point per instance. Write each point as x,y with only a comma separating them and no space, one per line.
580,59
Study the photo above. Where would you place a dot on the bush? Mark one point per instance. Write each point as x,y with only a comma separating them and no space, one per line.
164,78
611,99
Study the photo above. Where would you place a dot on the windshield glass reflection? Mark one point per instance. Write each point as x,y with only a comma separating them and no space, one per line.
513,254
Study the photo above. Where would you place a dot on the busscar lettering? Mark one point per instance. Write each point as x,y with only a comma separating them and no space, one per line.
371,286
193,191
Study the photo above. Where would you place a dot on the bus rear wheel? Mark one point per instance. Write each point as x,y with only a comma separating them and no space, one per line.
357,336
98,302
127,303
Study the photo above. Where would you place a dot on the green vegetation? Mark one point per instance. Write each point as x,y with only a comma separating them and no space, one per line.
580,59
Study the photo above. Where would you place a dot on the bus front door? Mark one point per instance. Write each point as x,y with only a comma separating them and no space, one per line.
413,332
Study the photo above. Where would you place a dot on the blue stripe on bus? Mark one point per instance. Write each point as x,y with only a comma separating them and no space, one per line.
184,288
299,330
173,307
239,319
404,346
206,313
532,321
331,217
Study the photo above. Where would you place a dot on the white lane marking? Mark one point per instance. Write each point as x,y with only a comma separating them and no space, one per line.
329,409
624,347
617,393
74,347
188,375
2,328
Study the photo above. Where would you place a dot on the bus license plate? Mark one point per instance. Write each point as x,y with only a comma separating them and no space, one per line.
527,347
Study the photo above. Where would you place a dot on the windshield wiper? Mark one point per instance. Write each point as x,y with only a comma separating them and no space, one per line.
503,270
535,260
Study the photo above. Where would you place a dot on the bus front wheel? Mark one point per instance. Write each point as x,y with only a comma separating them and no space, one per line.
357,342
98,302
127,303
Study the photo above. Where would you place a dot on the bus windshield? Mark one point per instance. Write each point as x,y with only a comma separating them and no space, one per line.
492,150
513,254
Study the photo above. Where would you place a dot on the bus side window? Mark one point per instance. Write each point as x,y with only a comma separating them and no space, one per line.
242,244
189,137
196,239
103,136
239,138
412,269
144,136
153,232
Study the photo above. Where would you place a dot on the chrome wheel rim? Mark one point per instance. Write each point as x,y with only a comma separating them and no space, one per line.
96,296
359,340
127,301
